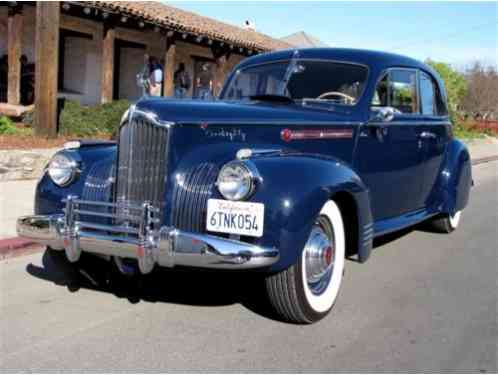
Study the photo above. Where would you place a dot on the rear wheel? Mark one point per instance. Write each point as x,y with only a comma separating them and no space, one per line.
446,223
306,291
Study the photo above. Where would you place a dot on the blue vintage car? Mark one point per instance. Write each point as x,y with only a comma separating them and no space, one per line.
306,157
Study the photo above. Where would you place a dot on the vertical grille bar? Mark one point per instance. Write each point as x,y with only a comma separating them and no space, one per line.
191,195
143,148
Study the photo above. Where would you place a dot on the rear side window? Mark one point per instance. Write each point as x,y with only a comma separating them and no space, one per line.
440,102
403,90
398,89
427,95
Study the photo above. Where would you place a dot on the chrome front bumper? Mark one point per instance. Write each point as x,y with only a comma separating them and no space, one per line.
165,246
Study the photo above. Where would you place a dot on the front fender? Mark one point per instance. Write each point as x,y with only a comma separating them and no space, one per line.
94,159
456,178
294,189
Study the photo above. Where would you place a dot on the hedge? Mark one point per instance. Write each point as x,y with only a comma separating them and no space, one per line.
7,127
82,121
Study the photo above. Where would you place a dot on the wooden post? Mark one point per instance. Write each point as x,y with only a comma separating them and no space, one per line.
221,55
107,64
47,62
169,67
14,52
219,75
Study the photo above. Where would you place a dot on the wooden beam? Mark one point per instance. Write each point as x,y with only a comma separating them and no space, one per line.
107,64
220,74
47,61
169,67
14,27
81,25
219,51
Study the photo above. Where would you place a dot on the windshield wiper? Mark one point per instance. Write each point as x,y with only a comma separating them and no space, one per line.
272,98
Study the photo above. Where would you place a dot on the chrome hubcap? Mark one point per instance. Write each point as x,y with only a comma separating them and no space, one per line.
319,259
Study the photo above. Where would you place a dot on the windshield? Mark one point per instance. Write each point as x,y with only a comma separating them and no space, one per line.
299,79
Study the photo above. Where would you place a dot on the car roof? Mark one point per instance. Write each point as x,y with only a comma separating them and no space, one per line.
370,58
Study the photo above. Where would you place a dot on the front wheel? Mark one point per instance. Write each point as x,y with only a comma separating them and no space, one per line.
306,291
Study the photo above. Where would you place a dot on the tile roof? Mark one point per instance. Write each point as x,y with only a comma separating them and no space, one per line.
188,22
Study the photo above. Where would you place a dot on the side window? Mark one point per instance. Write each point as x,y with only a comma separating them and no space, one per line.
403,90
442,108
397,89
380,95
427,95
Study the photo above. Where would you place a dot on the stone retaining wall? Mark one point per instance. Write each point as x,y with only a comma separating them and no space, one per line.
24,164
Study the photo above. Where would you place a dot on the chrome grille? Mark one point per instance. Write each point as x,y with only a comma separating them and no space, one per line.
142,161
191,195
98,186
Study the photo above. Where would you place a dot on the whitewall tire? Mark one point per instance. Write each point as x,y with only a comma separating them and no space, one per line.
307,291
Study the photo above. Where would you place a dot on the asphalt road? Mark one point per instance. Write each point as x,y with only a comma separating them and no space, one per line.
424,302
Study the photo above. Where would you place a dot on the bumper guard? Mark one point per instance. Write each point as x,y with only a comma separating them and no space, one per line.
134,235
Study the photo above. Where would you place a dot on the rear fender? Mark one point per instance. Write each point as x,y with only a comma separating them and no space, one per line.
295,188
456,178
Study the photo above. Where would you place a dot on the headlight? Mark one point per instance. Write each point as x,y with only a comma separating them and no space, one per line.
62,169
236,180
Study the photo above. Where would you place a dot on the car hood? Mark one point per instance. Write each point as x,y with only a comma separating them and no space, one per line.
250,112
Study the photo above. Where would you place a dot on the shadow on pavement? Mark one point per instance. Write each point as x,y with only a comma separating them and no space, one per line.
390,237
179,286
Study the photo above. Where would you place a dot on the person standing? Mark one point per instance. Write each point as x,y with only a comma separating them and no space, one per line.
156,77
204,83
143,76
182,82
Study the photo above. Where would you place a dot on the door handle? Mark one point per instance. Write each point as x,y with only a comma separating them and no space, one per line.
427,135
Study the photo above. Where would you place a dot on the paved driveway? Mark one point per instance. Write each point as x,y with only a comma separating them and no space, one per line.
424,302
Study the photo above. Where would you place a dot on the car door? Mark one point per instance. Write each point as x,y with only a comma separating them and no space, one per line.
434,133
388,156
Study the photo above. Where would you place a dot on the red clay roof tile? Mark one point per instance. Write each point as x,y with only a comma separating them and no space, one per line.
183,21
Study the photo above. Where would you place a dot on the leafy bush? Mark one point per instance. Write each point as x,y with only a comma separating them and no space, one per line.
455,87
80,121
7,127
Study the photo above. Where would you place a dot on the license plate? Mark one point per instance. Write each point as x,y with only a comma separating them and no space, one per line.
244,218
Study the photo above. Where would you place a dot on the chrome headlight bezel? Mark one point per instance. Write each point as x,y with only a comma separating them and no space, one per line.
63,168
237,180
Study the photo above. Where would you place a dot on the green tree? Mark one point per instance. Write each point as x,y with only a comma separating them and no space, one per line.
454,82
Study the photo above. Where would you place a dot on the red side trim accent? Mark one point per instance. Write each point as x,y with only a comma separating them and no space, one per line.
288,135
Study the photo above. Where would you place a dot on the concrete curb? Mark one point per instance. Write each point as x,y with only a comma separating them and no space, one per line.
14,243
16,246
484,160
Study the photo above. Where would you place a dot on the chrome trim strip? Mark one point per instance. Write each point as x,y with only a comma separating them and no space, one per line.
107,228
108,215
247,153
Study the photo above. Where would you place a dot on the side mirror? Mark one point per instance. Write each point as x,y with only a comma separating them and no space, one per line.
382,114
